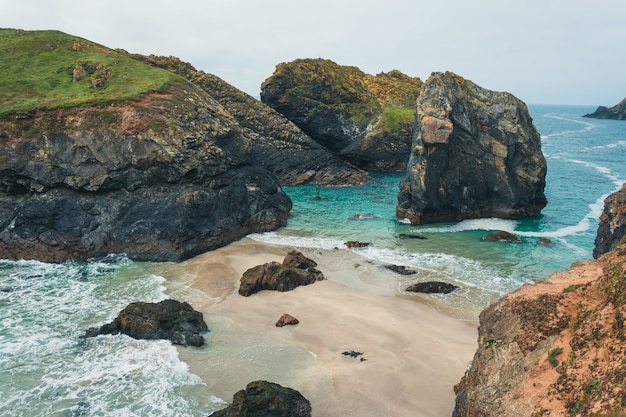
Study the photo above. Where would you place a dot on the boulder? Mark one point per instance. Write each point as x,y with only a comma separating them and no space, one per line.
356,244
366,120
612,227
400,269
502,236
287,320
296,270
168,319
432,287
266,399
617,112
476,153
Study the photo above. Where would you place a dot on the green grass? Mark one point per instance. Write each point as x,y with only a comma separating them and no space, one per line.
552,354
394,118
36,72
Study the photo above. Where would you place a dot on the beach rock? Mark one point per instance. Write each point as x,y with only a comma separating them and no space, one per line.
169,319
475,153
163,177
271,140
296,270
502,236
432,287
544,241
400,269
266,399
617,112
553,348
287,320
612,227
366,120
356,244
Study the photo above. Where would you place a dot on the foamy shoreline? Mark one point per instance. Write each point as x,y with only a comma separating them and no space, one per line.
414,355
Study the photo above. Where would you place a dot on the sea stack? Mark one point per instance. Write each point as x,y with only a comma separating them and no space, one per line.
475,153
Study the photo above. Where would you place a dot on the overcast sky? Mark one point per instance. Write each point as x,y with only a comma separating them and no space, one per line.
542,51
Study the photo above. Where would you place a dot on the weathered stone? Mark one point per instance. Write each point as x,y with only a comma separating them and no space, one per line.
617,112
366,120
287,320
432,287
168,319
400,269
502,236
266,399
356,244
612,227
475,154
296,270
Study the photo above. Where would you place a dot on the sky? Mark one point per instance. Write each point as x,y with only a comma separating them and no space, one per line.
542,51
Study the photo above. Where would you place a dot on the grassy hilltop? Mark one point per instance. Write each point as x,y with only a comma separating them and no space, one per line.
50,69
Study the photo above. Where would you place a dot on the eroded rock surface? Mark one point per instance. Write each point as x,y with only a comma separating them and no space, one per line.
475,154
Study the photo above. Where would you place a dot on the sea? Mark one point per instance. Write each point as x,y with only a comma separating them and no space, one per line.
46,369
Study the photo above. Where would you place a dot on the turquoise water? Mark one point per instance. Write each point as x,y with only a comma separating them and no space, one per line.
46,370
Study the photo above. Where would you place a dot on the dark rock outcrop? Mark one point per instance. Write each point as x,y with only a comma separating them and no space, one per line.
366,120
502,236
401,269
296,270
272,141
617,112
475,154
266,399
612,227
432,287
168,319
356,244
163,178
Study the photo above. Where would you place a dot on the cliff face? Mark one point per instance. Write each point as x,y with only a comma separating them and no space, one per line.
366,120
165,178
617,112
612,227
475,154
555,348
272,141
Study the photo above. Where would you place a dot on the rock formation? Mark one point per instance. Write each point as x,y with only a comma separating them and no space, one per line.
162,175
617,112
272,141
475,154
432,287
266,399
295,270
612,227
367,120
555,348
168,319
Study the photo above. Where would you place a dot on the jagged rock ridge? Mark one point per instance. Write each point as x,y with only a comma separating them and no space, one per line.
612,227
475,154
366,120
555,348
272,141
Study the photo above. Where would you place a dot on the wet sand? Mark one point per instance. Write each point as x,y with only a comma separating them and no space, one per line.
411,358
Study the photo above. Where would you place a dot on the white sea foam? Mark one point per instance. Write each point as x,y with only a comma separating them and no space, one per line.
474,224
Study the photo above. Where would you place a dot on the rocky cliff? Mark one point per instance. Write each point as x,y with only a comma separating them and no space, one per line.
617,112
612,227
272,141
554,348
475,154
366,120
102,154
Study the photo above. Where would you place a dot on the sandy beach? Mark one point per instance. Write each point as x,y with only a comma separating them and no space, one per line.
411,358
